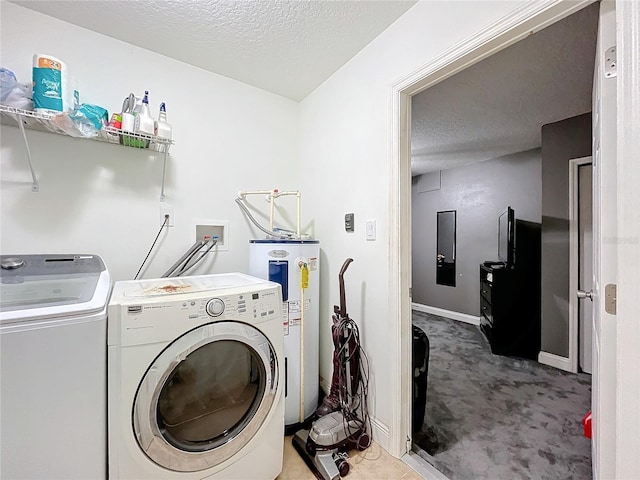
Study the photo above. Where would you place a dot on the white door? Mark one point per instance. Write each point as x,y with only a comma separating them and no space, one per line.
604,249
585,264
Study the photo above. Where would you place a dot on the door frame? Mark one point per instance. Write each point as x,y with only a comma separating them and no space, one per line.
628,239
574,329
531,17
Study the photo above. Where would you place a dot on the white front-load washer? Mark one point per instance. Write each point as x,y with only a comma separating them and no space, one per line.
195,385
53,370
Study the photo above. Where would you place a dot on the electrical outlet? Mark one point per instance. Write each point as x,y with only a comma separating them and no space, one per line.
166,210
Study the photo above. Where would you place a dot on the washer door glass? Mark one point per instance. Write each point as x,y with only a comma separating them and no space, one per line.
205,396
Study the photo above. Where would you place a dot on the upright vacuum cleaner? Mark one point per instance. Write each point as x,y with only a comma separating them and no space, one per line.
343,422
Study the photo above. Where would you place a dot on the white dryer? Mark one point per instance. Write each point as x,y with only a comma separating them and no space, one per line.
53,371
195,385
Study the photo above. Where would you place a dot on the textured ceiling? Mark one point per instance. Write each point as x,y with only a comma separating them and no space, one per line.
289,47
498,106
285,47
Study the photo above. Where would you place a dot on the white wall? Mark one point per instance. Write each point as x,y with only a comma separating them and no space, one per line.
345,155
104,199
479,193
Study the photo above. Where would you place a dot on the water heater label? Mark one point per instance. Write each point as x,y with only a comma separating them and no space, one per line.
294,307
278,253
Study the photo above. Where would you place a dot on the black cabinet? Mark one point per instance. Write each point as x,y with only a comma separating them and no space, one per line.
510,298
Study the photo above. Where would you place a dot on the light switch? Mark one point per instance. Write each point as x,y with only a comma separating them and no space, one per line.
371,229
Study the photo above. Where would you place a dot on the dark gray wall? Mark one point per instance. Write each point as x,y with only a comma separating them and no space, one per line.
561,142
479,193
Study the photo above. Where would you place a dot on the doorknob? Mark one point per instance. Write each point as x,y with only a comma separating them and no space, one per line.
582,294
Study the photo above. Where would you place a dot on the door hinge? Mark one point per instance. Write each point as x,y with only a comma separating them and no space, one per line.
610,63
410,292
610,296
409,443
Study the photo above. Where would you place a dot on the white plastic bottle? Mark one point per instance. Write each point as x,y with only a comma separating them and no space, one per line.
146,120
144,124
163,128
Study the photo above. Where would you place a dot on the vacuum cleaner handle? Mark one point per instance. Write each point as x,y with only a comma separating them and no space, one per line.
343,301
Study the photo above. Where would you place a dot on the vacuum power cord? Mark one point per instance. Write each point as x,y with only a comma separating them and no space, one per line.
354,404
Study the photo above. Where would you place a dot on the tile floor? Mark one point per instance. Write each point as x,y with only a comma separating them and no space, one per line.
372,464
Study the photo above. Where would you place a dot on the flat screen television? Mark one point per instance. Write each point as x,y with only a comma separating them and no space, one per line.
506,237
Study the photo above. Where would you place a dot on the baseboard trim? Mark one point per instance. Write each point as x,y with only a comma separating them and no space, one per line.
380,433
556,361
462,317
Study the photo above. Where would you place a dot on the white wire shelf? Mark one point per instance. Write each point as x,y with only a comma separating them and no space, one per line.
45,122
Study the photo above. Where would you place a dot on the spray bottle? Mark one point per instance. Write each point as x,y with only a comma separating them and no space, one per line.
146,120
163,128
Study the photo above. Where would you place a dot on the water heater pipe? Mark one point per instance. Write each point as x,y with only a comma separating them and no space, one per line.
271,196
301,353
271,208
304,283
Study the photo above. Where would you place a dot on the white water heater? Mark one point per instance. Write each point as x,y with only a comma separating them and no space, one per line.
295,264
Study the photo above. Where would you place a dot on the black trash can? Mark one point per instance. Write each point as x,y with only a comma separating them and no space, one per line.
420,364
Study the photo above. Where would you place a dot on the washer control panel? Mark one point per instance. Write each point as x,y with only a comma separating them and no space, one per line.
154,311
249,306
150,322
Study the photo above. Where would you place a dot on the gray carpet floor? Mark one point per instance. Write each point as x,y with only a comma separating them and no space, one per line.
495,417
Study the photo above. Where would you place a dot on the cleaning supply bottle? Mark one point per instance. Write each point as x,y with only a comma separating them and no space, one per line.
163,128
146,120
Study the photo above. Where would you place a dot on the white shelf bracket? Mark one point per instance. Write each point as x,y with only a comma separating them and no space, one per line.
34,185
164,171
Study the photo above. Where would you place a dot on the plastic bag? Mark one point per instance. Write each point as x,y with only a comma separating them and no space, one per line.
85,121
7,83
97,116
13,93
